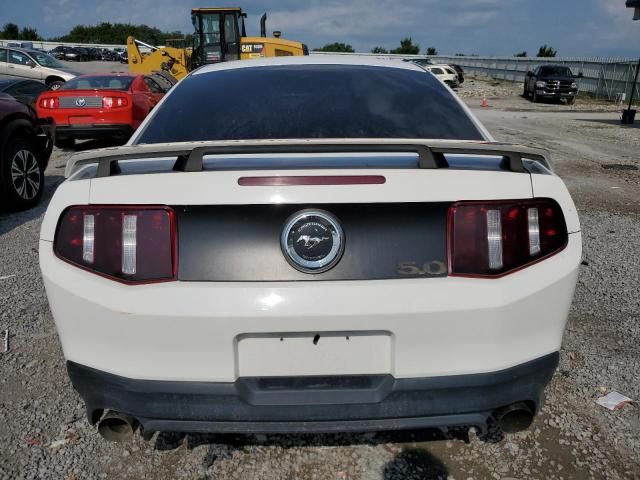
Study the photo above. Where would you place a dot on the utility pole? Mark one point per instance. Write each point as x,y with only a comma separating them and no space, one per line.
629,115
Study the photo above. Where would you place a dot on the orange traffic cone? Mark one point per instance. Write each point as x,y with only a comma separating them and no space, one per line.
485,104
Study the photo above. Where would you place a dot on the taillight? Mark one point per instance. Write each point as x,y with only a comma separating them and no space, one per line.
114,102
49,102
494,238
129,243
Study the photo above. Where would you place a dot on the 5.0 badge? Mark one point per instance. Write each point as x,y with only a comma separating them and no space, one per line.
428,268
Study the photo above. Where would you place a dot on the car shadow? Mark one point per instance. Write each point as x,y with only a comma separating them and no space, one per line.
415,463
615,122
85,145
82,146
11,219
411,462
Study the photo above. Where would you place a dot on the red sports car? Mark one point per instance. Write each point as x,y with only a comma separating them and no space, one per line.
100,106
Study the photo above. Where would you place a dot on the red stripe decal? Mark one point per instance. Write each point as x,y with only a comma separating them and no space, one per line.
285,181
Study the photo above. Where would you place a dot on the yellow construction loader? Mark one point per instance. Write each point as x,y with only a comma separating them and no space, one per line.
219,36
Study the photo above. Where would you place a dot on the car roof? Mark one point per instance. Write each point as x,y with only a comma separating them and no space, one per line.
309,60
6,82
30,51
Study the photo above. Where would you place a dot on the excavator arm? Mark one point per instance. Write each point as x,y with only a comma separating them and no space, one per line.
171,60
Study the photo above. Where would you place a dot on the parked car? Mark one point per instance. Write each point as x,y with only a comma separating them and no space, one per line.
83,54
328,245
109,55
70,54
58,52
24,91
99,106
124,57
460,71
445,73
94,53
35,65
551,82
25,147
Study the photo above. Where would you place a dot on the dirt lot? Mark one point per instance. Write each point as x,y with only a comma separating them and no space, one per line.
44,434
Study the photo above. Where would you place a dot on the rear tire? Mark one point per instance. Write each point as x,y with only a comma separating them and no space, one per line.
65,143
525,93
55,84
22,181
534,97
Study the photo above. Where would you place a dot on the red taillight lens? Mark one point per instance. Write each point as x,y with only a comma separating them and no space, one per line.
130,244
49,102
495,238
114,102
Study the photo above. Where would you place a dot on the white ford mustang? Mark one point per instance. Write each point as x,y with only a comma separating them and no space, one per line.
310,244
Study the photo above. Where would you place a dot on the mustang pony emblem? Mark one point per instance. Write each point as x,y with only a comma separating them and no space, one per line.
310,242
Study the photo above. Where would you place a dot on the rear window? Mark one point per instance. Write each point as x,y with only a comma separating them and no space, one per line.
106,82
309,101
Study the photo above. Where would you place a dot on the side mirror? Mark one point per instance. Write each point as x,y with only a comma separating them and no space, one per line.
164,53
529,73
580,75
31,63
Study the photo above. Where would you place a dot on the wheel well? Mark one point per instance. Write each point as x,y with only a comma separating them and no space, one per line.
53,78
14,125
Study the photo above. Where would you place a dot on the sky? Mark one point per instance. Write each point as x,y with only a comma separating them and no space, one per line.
484,27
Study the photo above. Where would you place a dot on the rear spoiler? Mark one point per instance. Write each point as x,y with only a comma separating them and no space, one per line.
189,155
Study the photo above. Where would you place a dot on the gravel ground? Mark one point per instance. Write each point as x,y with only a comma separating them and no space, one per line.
45,435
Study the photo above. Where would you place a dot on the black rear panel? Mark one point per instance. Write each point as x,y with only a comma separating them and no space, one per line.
241,243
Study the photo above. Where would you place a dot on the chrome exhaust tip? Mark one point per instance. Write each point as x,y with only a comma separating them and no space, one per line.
514,418
117,427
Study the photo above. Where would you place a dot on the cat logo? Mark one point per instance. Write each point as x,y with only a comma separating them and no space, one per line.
428,268
252,48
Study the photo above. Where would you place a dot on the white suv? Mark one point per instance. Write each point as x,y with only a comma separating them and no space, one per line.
330,245
445,73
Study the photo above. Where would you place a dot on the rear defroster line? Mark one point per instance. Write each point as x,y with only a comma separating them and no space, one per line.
294,180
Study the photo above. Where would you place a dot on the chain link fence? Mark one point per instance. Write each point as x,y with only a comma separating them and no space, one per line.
610,78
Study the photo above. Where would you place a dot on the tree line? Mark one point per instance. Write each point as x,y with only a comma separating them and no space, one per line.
105,32
543,51
407,47
11,31
117,33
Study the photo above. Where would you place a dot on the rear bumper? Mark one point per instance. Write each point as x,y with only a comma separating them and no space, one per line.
96,130
222,331
313,404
